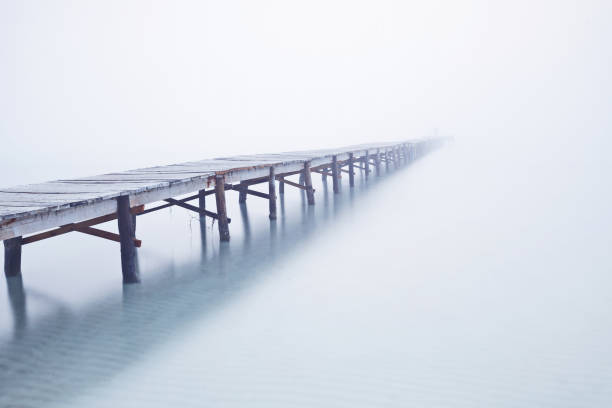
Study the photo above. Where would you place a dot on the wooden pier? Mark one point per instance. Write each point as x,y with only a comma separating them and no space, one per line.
34,212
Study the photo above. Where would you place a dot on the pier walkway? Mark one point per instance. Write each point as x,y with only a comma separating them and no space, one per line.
34,212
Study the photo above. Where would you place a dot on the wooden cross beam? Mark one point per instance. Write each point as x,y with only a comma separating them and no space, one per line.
291,183
82,227
194,208
105,234
257,193
321,172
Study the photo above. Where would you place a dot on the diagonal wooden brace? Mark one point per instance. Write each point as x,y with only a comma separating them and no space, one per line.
104,234
64,229
194,208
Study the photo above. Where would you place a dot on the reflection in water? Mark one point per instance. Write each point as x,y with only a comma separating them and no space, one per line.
418,289
69,352
17,298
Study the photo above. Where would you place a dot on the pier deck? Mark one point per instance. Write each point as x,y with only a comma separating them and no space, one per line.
61,206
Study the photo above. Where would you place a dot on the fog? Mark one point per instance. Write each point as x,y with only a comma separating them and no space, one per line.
91,87
477,276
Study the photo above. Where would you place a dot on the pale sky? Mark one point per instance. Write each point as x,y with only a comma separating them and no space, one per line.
97,86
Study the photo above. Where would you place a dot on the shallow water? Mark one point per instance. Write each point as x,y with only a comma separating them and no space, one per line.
461,280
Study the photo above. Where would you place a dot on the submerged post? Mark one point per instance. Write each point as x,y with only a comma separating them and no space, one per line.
308,183
281,185
126,238
335,174
351,171
12,256
377,161
242,193
202,203
272,194
387,159
367,163
224,234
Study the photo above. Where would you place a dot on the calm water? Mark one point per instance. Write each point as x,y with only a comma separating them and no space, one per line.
464,280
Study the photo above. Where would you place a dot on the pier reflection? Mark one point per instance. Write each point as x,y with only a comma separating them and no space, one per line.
84,348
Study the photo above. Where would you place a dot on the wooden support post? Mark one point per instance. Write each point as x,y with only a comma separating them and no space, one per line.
12,256
272,194
386,159
242,193
395,158
301,179
281,185
308,183
351,171
202,203
335,172
367,163
324,174
126,237
377,160
224,234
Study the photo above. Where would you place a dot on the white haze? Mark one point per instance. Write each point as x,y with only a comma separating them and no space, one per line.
97,86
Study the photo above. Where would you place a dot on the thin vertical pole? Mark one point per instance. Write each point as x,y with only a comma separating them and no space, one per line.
224,234
272,194
351,171
242,194
202,203
387,160
126,238
367,163
396,157
308,183
12,256
377,161
281,185
335,174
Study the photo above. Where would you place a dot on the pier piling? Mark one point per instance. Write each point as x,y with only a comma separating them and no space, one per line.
336,182
351,171
12,256
308,183
202,203
224,234
126,239
272,194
